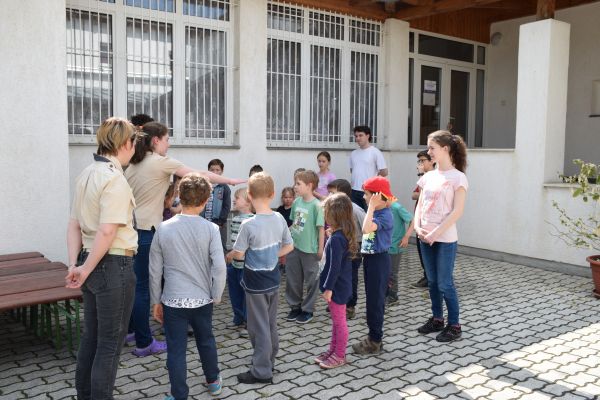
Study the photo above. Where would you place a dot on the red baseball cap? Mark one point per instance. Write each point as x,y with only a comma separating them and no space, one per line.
379,184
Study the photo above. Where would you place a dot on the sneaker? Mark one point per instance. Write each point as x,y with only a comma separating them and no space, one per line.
294,313
367,346
215,388
449,334
432,325
333,362
350,312
304,317
249,379
129,339
233,325
169,398
421,283
156,347
391,300
322,357
243,333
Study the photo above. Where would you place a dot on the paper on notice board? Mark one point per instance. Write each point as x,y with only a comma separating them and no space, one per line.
428,99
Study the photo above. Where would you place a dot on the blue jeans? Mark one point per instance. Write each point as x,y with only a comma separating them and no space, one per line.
377,275
140,317
236,294
107,301
176,322
355,267
439,267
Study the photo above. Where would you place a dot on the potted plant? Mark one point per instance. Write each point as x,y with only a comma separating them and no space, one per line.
584,232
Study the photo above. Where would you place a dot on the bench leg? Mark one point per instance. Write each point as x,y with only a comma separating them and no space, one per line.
57,332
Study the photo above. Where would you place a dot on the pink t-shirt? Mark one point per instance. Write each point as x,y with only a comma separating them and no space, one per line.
438,189
324,180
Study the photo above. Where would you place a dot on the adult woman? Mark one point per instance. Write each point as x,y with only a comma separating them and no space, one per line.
102,223
149,175
441,204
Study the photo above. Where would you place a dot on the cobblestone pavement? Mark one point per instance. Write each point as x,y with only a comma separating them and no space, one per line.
527,334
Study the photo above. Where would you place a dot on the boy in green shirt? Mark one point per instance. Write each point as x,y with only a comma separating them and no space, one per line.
302,264
400,235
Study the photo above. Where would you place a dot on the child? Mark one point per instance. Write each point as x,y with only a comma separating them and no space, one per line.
377,239
261,240
400,235
242,205
441,204
187,250
219,204
169,199
325,175
255,169
287,198
302,265
336,277
343,186
424,165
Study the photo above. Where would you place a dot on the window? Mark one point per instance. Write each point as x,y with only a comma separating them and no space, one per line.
205,77
444,48
175,66
89,71
150,69
322,76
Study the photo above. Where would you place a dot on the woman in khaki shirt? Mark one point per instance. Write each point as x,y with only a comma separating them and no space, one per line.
149,175
102,223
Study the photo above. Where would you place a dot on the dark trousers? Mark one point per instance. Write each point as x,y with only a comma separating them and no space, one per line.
107,301
421,257
237,296
140,316
377,274
358,199
176,329
355,267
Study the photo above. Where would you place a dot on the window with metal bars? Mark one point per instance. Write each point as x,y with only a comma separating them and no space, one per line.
322,76
196,104
150,69
89,71
205,83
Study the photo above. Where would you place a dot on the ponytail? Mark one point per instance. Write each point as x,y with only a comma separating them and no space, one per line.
144,144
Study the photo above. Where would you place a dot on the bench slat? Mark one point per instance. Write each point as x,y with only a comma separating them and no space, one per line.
17,256
17,300
24,261
33,281
23,269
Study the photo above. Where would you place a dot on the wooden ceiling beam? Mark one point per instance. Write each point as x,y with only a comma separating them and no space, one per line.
418,2
440,7
545,9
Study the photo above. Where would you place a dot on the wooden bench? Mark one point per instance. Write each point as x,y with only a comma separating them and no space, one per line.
28,282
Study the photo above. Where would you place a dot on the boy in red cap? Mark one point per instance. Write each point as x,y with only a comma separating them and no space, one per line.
377,239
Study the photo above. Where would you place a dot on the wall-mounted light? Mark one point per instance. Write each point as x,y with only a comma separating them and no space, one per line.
496,38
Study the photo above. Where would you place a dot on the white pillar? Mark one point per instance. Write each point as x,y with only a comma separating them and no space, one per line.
542,98
395,110
34,162
251,85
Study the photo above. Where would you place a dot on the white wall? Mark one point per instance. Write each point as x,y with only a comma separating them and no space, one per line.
582,132
33,110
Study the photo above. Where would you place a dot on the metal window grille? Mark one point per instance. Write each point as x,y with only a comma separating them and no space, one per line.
283,89
212,9
285,18
322,75
365,32
89,70
205,83
158,5
363,91
325,95
326,25
150,69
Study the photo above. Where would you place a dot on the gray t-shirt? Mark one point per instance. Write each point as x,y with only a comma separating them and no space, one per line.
261,237
187,250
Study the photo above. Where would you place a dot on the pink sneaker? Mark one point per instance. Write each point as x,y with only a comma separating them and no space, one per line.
322,357
156,347
333,362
